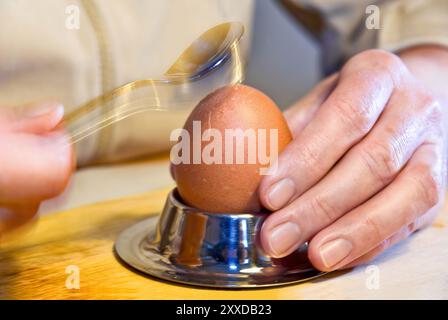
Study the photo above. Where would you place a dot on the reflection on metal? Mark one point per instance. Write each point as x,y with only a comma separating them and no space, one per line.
208,249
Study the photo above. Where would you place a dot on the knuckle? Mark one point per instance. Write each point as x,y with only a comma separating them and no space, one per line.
380,58
428,99
323,209
381,160
310,156
387,59
427,105
435,110
374,229
355,116
429,188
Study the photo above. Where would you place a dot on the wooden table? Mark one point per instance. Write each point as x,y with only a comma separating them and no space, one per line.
33,264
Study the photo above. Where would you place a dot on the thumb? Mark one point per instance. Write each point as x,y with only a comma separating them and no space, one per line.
34,167
36,118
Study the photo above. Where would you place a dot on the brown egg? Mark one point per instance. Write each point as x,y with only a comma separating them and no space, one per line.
223,152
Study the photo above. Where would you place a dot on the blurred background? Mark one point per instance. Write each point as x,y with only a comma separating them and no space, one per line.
284,59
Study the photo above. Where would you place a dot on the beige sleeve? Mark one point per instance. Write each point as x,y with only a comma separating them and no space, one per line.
407,23
403,23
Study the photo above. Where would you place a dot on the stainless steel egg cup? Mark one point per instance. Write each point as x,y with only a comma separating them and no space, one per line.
189,246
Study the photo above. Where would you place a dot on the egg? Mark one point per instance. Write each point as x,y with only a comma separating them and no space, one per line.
226,146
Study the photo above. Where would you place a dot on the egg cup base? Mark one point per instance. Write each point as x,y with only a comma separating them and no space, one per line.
218,250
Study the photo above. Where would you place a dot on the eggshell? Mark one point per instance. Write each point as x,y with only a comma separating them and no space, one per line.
223,187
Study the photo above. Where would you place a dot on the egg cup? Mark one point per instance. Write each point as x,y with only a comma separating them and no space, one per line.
220,250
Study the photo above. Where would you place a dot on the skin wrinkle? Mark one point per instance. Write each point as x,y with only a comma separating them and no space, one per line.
404,143
376,94
361,116
310,158
413,132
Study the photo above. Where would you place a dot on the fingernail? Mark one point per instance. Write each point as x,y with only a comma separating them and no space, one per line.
335,251
280,193
45,108
283,237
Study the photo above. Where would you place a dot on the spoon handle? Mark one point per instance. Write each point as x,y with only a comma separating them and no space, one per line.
176,92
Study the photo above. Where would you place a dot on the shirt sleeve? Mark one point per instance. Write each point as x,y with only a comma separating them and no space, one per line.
407,23
402,24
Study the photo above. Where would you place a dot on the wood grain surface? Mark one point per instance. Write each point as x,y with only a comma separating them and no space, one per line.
33,262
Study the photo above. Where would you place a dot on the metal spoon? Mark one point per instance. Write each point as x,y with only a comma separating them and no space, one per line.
211,61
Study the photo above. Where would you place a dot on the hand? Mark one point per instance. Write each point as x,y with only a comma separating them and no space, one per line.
366,168
35,161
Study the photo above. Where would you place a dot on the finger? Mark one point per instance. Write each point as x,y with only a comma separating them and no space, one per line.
301,113
34,167
14,216
383,246
404,233
366,169
343,120
34,118
415,191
